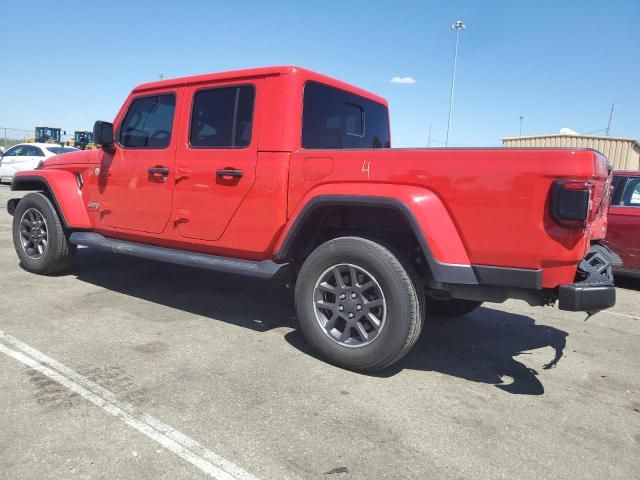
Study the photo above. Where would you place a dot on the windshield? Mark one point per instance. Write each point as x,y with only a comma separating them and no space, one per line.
59,150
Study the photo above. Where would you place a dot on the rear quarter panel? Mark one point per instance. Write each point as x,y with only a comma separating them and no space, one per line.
497,199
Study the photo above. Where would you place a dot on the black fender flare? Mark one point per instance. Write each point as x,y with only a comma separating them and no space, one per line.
440,273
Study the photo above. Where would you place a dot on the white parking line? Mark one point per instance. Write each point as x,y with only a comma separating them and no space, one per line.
184,447
620,314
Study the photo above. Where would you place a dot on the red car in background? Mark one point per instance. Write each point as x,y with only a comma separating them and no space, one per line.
623,233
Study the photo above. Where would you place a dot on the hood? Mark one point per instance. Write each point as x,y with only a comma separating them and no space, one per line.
79,157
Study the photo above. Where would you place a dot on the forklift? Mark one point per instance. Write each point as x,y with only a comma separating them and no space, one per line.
83,140
48,135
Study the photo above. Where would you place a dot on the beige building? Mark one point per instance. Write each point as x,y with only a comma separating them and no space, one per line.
623,153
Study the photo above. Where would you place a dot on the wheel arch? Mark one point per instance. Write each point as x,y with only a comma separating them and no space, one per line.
61,188
310,214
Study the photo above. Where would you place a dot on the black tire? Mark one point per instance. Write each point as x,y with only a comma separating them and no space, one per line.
450,308
57,255
402,296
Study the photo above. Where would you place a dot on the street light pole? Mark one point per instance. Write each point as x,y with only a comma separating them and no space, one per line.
521,120
457,27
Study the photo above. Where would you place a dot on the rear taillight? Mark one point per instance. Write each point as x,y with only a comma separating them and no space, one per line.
572,202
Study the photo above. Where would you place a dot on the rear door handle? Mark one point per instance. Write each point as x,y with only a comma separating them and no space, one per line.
229,172
158,170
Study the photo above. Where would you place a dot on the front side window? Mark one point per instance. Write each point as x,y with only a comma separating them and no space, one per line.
631,195
334,118
148,122
16,151
222,117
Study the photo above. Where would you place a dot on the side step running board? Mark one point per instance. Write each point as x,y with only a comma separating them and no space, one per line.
259,269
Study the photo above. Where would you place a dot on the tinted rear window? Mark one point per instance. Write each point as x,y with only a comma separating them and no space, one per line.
334,118
222,117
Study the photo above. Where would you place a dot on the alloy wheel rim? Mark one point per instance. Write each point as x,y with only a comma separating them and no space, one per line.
34,236
349,305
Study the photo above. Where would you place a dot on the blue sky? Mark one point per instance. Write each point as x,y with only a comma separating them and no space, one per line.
559,63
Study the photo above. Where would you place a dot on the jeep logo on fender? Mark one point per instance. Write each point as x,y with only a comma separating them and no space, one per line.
93,205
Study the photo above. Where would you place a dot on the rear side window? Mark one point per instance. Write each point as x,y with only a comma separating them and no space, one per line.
148,122
32,152
334,118
222,117
59,150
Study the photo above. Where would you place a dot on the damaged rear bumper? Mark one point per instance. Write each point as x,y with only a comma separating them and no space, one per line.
595,289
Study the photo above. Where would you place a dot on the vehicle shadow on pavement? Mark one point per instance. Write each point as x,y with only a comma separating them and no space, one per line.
482,346
254,304
479,347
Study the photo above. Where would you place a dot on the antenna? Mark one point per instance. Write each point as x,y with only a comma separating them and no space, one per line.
610,118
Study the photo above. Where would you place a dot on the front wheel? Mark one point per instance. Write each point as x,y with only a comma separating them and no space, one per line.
39,237
358,304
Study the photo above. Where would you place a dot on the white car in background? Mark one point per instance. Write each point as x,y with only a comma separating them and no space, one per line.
27,156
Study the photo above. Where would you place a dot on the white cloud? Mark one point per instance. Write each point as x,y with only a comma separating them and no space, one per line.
406,80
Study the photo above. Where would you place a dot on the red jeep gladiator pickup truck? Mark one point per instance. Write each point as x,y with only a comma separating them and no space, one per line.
285,172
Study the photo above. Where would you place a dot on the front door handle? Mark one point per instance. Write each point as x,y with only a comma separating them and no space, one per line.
229,172
158,170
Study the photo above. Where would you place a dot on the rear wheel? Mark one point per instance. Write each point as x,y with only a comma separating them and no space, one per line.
357,304
450,308
39,237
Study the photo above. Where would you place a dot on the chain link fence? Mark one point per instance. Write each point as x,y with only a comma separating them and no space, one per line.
11,136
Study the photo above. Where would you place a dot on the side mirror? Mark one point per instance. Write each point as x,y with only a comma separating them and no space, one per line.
103,135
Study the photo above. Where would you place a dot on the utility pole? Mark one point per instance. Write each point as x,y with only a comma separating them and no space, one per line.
429,138
610,118
456,27
521,120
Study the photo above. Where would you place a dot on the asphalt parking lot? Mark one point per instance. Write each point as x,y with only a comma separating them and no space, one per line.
126,368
